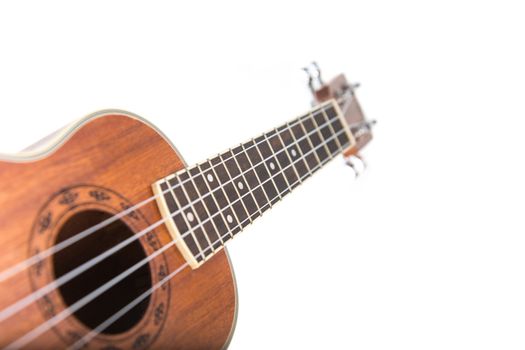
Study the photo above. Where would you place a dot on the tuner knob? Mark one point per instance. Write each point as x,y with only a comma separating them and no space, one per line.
357,163
315,81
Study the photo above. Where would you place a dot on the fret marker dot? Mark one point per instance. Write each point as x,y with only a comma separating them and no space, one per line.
272,166
294,153
229,218
240,185
190,216
210,177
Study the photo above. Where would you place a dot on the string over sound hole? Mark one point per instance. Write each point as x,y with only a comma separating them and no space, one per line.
112,300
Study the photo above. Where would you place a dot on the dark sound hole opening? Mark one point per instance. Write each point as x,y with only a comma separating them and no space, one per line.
112,300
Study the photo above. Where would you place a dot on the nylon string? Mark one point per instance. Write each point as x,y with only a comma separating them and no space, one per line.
18,267
28,337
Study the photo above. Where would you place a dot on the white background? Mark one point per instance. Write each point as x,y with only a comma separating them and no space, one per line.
424,251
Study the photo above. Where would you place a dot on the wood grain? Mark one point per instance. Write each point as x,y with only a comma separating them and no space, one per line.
119,152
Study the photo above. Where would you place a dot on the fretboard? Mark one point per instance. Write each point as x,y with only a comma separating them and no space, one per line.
209,203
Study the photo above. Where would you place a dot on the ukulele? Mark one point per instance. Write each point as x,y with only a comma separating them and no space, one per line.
111,241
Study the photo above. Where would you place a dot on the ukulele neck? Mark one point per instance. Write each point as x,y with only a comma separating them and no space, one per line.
209,203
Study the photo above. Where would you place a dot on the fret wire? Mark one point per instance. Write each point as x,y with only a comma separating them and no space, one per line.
195,214
232,181
274,152
321,136
206,209
341,124
305,145
246,182
221,186
318,166
293,122
335,145
288,155
320,145
333,131
305,136
251,178
263,161
299,149
277,161
312,150
210,193
256,175
190,228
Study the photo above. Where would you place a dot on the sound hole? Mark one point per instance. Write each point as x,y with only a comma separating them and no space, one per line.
118,296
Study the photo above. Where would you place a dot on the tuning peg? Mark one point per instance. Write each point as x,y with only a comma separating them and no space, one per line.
352,161
348,89
351,165
363,162
315,81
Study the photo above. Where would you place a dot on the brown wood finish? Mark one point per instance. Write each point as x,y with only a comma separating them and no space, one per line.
118,152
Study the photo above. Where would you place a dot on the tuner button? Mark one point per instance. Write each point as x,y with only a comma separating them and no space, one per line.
315,81
353,161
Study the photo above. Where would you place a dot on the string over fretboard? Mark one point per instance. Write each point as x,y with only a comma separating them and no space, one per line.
209,203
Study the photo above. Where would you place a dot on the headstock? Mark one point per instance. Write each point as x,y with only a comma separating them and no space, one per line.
344,93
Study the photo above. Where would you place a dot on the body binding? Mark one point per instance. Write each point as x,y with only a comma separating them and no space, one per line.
123,155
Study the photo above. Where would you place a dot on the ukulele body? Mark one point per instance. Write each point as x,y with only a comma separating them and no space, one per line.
99,167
